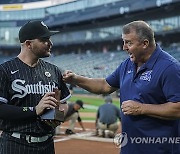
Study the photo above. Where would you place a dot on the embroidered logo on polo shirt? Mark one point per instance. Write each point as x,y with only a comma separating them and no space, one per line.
146,75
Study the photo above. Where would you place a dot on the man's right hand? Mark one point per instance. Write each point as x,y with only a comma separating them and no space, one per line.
69,76
47,102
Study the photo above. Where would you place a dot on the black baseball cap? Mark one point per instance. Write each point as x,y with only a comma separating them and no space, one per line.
80,103
34,30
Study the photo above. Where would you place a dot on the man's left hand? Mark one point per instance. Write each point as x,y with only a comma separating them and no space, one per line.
131,107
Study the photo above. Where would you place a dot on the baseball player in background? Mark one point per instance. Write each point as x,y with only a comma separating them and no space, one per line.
106,119
26,91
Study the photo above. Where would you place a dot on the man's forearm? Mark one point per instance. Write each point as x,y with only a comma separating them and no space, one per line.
165,111
10,112
160,117
96,86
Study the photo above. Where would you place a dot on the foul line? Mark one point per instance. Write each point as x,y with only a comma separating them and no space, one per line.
62,139
84,136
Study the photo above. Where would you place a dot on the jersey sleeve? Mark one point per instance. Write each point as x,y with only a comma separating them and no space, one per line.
114,79
65,93
171,83
3,86
7,111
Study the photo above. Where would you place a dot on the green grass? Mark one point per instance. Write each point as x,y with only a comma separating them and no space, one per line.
88,110
88,118
95,101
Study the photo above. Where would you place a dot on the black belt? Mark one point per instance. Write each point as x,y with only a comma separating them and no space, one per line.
29,138
106,124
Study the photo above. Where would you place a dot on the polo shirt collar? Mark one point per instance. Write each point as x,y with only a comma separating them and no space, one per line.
152,60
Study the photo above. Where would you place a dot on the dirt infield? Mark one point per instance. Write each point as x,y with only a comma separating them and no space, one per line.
88,114
69,144
85,147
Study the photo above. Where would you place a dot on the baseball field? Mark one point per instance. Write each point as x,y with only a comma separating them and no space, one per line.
85,142
91,104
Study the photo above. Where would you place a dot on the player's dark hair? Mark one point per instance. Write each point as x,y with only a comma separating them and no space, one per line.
142,29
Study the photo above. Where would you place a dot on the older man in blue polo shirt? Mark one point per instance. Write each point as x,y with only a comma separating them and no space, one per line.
149,83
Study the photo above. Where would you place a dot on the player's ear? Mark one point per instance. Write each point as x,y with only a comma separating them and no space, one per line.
28,43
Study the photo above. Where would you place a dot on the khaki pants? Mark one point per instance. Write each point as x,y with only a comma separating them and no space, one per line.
107,130
72,120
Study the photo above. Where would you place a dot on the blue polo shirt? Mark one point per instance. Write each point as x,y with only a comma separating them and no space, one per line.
157,82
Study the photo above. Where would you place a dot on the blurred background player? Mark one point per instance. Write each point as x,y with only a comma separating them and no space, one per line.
106,119
72,116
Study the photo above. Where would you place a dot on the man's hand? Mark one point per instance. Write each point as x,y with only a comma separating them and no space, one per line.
69,77
131,107
51,101
47,102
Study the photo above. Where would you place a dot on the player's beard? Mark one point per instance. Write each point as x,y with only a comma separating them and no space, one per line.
44,53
